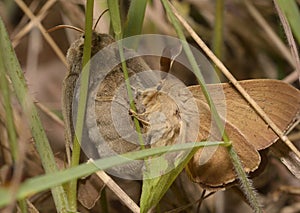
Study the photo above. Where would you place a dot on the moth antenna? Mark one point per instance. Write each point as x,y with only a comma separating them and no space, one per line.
58,27
99,18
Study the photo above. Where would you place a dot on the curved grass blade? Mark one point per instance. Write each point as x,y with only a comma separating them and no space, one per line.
44,182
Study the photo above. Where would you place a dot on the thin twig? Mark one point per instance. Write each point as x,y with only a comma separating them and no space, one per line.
295,136
290,189
33,6
40,16
48,38
50,114
115,188
234,82
291,77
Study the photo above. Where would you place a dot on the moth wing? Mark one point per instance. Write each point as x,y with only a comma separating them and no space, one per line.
280,101
247,131
211,167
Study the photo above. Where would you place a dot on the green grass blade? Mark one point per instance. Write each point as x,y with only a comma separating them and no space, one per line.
135,18
291,11
10,125
15,73
218,29
218,43
245,182
117,27
84,84
44,182
115,19
151,193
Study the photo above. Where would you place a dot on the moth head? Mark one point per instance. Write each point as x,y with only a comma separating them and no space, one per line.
75,52
99,41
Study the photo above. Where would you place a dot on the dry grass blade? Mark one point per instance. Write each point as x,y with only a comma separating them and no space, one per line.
40,16
290,189
291,77
33,6
48,38
295,136
234,82
50,114
118,191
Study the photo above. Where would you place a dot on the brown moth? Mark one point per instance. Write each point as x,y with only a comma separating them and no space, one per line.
247,131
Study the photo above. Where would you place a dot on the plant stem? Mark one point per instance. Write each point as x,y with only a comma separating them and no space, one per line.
116,24
217,43
245,182
84,84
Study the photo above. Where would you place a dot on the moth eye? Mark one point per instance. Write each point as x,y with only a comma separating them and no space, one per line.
83,36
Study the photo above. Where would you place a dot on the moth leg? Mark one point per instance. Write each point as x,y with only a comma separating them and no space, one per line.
138,117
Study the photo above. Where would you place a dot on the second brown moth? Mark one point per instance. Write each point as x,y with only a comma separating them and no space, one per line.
247,131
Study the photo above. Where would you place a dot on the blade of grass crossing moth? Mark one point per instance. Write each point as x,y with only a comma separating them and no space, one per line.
15,73
245,182
84,82
116,23
44,182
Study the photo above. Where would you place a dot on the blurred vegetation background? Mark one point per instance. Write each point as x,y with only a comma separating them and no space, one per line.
246,35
